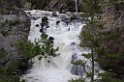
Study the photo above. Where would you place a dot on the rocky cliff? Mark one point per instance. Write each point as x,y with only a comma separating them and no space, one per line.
14,27
113,19
56,5
51,5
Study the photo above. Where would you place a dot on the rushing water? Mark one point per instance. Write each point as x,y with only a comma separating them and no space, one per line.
65,34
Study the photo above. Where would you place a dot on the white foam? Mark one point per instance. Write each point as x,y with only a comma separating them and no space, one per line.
58,70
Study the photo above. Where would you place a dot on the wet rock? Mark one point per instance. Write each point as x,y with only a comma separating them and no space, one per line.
41,30
44,19
47,26
68,29
51,39
65,19
37,25
73,43
74,57
74,16
42,25
28,13
77,69
54,14
44,22
48,61
67,22
17,72
57,22
31,17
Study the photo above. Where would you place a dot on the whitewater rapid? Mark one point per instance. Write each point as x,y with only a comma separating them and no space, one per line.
66,37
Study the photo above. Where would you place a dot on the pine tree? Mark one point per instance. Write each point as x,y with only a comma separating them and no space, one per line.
42,47
88,36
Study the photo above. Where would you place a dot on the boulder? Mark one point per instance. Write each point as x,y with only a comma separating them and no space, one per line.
44,19
77,69
44,22
54,14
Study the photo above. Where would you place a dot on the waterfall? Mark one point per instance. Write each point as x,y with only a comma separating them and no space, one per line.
76,6
55,69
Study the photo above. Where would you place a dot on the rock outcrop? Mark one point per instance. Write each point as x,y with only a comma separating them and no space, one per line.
52,5
58,5
114,22
15,26
113,19
78,67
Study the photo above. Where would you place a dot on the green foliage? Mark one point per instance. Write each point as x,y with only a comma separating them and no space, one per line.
111,55
89,7
18,3
33,2
107,36
92,37
9,69
1,1
79,62
89,75
85,37
13,23
6,73
28,49
43,47
77,80
109,77
89,35
4,33
10,78
47,46
1,9
107,59
112,2
89,55
2,53
70,5
6,27
46,2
